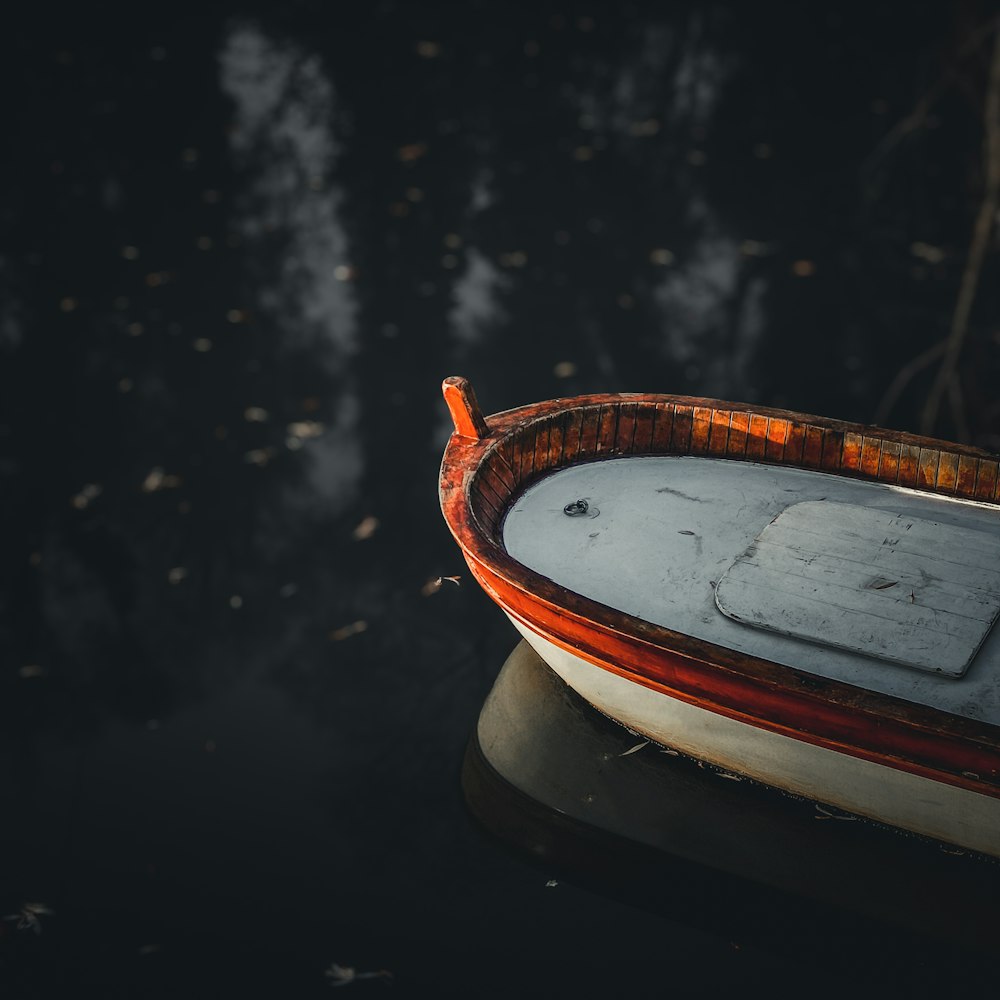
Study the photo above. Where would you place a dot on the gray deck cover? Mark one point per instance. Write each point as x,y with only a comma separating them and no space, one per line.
900,588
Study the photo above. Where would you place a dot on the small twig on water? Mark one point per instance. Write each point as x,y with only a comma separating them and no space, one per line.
344,975
823,813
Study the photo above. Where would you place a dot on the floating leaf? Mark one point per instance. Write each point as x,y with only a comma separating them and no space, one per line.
365,528
636,748
344,975
346,631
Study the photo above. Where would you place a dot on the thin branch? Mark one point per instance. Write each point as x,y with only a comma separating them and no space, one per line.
902,380
918,115
958,408
947,378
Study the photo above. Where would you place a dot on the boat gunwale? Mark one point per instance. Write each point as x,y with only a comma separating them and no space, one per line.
481,479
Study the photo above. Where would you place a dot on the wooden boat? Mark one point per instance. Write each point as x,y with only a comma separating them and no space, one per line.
798,600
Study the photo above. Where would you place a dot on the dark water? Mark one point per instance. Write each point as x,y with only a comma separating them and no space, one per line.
239,252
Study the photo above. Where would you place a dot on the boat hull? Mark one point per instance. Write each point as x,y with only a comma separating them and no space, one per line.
884,794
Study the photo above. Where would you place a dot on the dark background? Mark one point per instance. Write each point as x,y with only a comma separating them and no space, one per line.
240,249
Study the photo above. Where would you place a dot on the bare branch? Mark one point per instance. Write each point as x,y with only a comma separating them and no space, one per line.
947,376
902,380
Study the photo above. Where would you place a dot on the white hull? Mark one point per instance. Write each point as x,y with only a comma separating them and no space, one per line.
885,794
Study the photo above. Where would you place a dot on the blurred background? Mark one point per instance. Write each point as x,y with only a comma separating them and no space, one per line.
239,251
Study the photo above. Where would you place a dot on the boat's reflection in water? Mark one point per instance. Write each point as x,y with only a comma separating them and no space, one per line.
551,776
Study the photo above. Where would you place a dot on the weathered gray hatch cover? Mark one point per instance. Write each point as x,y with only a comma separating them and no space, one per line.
896,587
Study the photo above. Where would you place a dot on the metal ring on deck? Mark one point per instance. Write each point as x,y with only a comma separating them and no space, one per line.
576,509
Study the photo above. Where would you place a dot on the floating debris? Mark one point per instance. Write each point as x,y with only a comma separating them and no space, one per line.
412,152
513,258
644,129
302,430
636,748
259,456
27,918
661,256
177,574
86,496
428,50
433,585
803,268
552,883
346,631
256,414
927,252
30,670
344,975
202,345
366,528
823,813
564,369
157,479
755,248
236,602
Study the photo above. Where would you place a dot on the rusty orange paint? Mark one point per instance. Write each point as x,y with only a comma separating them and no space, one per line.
465,412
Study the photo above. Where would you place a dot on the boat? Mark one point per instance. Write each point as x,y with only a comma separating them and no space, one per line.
797,600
